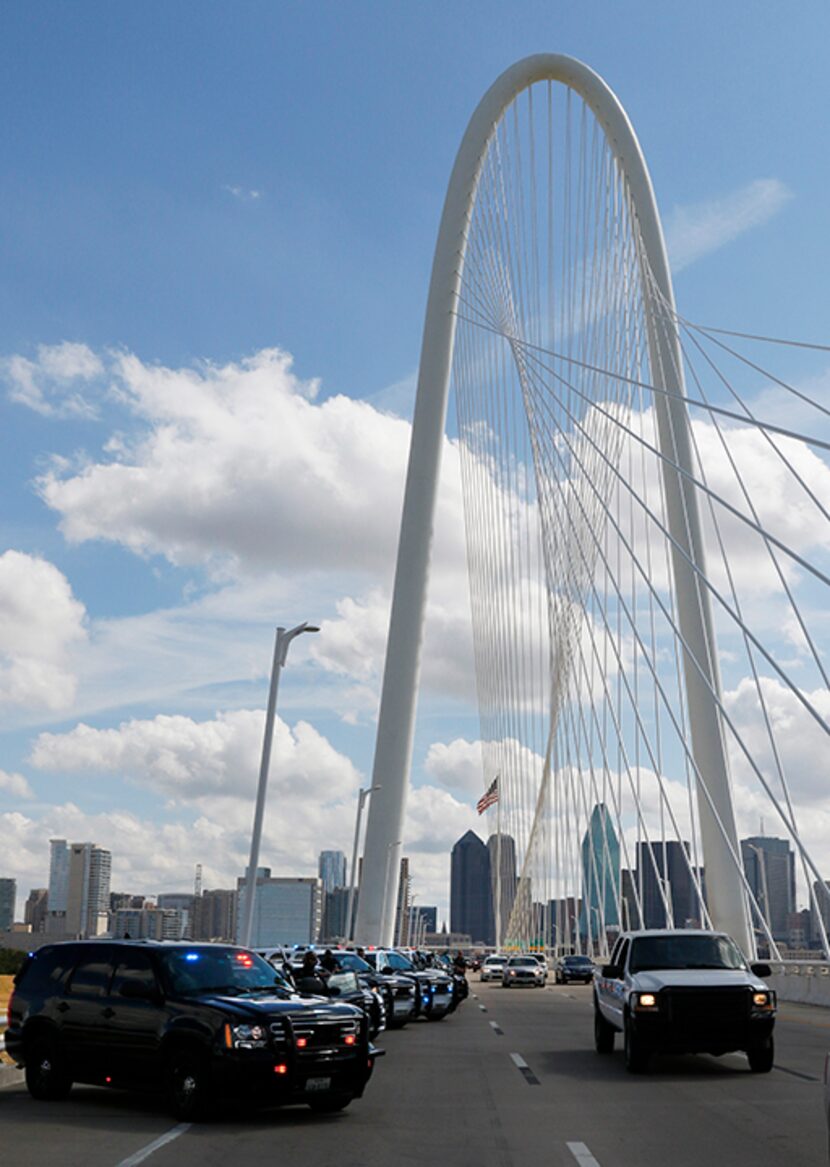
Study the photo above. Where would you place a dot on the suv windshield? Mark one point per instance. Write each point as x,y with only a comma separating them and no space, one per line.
578,960
351,962
662,952
214,969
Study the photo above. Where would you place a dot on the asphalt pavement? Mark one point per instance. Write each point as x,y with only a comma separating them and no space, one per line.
510,1080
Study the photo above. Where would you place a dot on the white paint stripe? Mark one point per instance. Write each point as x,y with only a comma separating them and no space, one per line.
493,1024
518,1060
582,1155
482,1008
156,1145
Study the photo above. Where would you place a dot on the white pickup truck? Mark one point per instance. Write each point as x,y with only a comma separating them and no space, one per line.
683,991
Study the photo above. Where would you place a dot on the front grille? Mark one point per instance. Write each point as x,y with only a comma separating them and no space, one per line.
405,991
715,1011
327,1039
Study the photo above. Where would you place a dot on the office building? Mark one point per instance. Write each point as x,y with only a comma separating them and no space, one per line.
332,869
664,869
36,908
769,865
287,909
600,875
471,899
149,923
502,852
214,916
58,885
88,890
334,928
8,893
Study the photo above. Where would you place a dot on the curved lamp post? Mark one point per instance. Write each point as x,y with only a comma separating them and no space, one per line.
280,653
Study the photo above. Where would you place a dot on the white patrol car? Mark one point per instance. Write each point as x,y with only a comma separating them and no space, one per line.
683,991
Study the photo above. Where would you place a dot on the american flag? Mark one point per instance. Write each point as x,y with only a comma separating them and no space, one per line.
490,795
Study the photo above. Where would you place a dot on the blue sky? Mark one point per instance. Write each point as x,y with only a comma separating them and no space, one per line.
185,186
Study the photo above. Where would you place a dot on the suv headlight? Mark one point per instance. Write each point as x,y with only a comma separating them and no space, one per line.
763,1001
245,1036
645,1001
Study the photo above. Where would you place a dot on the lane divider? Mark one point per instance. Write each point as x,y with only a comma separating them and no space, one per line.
483,1008
525,1070
496,1029
156,1145
582,1155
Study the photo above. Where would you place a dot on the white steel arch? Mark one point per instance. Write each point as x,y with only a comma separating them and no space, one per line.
725,895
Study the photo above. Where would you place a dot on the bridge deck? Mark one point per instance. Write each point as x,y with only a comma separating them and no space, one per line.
511,1079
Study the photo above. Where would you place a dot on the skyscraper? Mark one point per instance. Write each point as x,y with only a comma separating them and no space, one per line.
502,852
332,870
88,891
600,874
8,892
58,885
769,865
471,900
663,869
36,908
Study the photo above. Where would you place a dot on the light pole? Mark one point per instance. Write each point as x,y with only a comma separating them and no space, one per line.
361,798
280,652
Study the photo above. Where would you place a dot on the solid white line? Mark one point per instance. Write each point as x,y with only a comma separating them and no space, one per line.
162,1141
582,1155
519,1061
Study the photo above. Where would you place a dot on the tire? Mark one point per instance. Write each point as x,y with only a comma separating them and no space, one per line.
603,1034
330,1105
760,1057
47,1076
636,1053
189,1088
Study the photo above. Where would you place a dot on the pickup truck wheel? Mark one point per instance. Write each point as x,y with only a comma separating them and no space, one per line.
760,1057
636,1053
47,1078
189,1089
603,1034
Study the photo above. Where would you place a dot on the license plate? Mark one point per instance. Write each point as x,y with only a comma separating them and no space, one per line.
318,1083
402,1006
442,997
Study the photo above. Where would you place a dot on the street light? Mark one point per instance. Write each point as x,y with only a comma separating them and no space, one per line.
280,653
361,798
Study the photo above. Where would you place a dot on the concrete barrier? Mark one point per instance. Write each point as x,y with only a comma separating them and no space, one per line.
806,982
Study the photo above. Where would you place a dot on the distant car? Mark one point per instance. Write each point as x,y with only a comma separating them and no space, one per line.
574,968
492,968
523,970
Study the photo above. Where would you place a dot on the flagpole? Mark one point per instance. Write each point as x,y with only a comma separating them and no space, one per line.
498,866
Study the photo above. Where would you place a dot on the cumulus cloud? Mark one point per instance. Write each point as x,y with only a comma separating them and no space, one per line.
40,623
237,466
697,230
53,383
190,761
14,786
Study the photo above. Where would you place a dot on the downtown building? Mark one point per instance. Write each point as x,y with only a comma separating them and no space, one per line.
214,916
79,889
471,897
8,894
769,866
331,868
600,876
287,909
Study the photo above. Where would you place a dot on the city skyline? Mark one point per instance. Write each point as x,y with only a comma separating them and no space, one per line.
169,309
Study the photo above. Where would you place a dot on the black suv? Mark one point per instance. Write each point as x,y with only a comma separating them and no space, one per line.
204,1022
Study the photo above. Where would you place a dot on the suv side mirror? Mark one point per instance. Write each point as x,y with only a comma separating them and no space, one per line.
760,969
612,971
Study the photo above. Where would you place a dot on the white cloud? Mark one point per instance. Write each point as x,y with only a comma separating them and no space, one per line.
40,623
49,384
697,230
243,194
15,786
